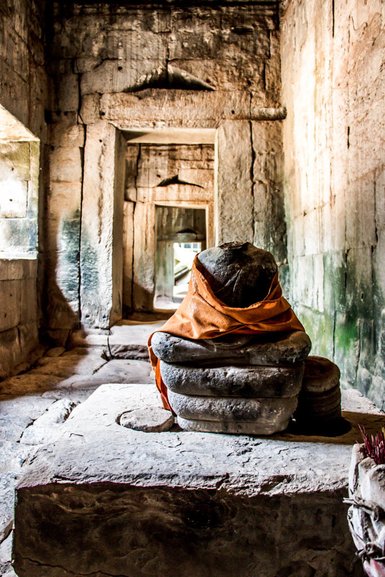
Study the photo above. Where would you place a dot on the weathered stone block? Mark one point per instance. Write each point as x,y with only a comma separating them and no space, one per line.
28,301
234,174
18,237
99,221
29,338
264,416
68,99
67,133
195,109
10,293
290,349
10,353
213,509
11,269
66,164
231,381
90,107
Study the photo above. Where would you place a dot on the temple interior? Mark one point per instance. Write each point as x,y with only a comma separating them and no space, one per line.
133,135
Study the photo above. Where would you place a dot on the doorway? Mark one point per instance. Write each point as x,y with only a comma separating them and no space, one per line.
181,234
168,215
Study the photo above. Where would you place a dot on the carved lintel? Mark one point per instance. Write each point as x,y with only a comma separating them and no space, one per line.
170,78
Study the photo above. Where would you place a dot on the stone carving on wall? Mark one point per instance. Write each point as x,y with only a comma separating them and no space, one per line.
171,78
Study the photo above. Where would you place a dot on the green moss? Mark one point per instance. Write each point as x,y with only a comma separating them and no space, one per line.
351,329
89,266
70,257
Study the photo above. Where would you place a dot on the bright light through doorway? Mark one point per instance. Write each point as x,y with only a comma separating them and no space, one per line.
184,254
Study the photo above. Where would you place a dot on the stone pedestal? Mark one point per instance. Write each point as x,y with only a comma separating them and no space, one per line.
238,384
107,500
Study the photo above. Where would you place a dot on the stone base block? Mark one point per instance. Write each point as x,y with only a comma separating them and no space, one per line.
267,415
272,350
231,427
107,500
233,381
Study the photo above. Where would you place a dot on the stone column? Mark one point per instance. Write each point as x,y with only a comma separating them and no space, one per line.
235,204
101,219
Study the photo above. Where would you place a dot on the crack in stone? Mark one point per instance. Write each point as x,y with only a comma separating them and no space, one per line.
80,220
253,157
77,574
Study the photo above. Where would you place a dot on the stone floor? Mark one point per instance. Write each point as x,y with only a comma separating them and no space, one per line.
35,403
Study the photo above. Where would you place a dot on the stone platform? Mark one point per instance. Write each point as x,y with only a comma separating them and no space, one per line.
105,500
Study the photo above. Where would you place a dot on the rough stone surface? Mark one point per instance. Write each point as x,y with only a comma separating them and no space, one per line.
319,402
18,313
233,427
154,420
129,339
5,555
29,415
46,428
281,349
22,62
239,273
233,381
23,97
333,135
126,371
224,504
268,415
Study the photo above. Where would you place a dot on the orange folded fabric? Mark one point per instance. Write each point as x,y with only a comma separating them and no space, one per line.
202,315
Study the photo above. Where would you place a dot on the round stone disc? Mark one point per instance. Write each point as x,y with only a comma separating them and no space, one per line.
320,375
149,420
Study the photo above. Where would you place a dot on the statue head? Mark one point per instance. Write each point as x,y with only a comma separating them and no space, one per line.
239,274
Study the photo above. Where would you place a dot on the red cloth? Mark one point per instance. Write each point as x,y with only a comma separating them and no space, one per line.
202,315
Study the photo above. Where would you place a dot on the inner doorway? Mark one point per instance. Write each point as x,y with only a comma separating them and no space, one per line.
181,234
168,214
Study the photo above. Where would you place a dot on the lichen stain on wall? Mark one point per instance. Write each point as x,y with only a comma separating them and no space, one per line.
333,73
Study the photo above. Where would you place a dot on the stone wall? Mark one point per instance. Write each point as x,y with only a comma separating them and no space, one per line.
18,313
333,75
23,79
23,99
121,68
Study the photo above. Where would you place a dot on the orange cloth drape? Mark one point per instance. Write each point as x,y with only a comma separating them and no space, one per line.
202,315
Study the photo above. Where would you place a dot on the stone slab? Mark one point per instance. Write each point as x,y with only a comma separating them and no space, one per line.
233,381
106,500
125,371
65,366
264,416
125,340
281,349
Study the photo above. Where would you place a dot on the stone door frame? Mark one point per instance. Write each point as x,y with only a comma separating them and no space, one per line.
101,254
